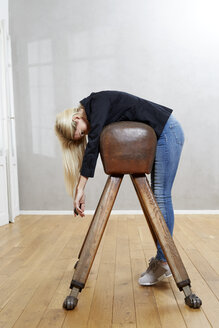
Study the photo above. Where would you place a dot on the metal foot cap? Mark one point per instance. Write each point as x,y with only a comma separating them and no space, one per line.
193,301
70,303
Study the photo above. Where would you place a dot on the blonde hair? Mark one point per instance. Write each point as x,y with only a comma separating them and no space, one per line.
72,150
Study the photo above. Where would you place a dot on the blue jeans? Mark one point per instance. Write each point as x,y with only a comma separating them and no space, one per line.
168,152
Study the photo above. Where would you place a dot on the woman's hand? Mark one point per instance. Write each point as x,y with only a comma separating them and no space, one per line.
79,202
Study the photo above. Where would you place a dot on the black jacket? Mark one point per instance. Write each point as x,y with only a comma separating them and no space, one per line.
110,106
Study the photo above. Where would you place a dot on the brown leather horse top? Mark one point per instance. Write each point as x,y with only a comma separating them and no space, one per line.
127,147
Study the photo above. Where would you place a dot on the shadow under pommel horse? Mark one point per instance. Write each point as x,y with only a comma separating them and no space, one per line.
128,148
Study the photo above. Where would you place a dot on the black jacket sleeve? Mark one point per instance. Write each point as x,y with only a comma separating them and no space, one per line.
100,106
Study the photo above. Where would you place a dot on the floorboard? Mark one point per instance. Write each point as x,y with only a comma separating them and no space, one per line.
37,257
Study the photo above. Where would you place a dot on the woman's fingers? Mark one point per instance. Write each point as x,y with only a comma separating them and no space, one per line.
82,207
82,202
79,203
80,211
75,211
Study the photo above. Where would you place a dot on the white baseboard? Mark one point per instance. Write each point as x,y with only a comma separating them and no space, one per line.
116,212
196,211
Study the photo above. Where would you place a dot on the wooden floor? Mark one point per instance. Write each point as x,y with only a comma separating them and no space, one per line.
37,256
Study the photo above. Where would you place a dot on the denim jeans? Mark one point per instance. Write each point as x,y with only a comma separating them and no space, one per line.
168,152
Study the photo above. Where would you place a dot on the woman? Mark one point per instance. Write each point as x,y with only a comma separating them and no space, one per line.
79,157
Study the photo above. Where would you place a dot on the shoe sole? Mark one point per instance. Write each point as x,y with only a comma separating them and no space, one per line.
153,283
159,279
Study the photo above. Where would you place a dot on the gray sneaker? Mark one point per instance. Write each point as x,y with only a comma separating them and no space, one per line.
155,272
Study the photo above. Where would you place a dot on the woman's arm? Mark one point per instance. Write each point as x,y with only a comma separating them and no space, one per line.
79,202
82,182
98,116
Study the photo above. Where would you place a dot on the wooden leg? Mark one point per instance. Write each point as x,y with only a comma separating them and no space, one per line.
145,214
94,216
96,230
160,229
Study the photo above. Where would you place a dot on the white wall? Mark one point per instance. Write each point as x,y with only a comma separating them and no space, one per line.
4,11
164,51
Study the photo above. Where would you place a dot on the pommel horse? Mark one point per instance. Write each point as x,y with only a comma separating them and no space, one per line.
128,148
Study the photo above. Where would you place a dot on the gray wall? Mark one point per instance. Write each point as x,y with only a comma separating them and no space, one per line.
164,51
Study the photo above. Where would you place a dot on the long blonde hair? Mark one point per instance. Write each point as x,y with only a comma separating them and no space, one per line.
72,150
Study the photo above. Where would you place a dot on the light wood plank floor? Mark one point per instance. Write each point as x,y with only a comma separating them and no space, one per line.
37,256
